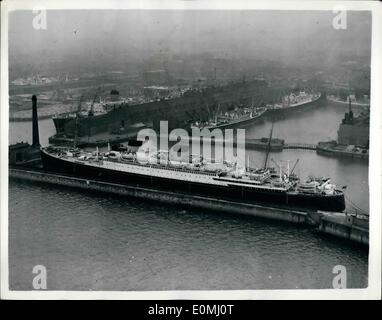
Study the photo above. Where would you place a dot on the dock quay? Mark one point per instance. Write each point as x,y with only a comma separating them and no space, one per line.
331,148
339,224
304,146
101,141
355,228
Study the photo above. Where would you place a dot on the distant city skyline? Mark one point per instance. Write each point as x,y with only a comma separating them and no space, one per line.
298,38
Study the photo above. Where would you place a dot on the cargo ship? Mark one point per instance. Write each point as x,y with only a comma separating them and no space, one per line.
294,102
222,180
243,116
222,121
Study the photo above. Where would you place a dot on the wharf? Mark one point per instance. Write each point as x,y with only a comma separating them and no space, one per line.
303,146
100,139
331,148
354,104
341,225
322,148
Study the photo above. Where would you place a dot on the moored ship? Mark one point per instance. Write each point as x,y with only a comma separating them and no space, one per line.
229,119
178,110
243,116
294,102
222,180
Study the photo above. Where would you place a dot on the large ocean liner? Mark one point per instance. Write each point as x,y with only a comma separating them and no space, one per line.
223,180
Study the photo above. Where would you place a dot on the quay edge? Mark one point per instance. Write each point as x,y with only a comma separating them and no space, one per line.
337,224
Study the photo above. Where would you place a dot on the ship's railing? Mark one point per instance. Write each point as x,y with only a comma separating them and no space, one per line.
135,163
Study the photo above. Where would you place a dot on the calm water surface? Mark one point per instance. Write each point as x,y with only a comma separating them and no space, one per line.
90,241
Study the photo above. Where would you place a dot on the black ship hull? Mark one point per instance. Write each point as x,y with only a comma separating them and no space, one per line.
231,192
105,122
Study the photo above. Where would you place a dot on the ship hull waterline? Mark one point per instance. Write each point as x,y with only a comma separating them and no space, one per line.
231,192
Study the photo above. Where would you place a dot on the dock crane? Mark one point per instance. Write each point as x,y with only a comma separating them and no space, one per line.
76,122
217,113
91,111
79,105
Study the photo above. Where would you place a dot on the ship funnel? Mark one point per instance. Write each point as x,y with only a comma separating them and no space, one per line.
114,95
350,110
36,139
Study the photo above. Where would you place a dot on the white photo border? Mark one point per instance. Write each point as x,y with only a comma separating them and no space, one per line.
373,291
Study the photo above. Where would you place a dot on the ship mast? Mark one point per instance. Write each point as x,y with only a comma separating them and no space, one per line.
268,147
91,111
294,166
217,113
76,123
350,110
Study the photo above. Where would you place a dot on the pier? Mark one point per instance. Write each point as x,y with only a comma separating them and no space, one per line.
350,227
304,146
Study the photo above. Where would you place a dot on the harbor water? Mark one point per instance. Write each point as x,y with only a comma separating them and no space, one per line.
90,241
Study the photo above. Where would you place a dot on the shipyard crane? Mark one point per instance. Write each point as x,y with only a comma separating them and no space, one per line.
91,111
209,111
79,105
217,113
76,122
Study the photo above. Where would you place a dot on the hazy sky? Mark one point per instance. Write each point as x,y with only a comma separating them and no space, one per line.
274,35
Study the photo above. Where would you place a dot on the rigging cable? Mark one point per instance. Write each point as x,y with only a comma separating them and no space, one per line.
355,206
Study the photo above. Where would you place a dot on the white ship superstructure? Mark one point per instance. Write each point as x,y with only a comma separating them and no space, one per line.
158,165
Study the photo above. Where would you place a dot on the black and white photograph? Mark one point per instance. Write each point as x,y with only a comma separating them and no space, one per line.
190,147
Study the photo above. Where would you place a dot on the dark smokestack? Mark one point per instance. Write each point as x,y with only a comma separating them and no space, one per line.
36,139
114,95
350,110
